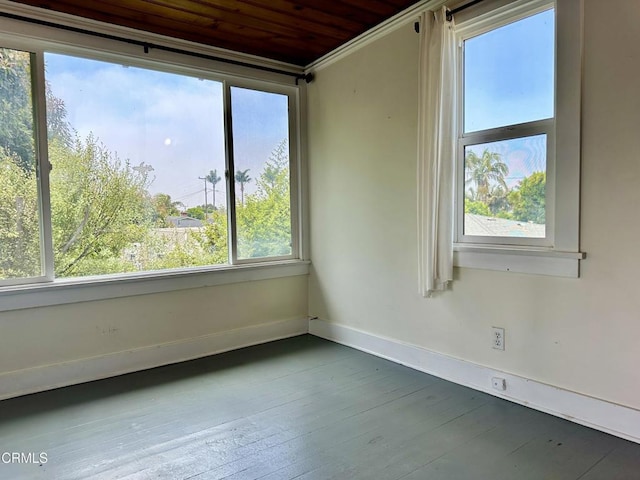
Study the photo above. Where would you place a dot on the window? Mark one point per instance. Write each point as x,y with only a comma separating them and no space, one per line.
112,166
136,158
517,157
506,143
260,121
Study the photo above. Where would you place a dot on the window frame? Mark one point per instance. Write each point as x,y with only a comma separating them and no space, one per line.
30,292
559,253
38,103
230,167
510,132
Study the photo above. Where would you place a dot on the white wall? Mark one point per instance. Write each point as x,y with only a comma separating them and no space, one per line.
578,334
57,345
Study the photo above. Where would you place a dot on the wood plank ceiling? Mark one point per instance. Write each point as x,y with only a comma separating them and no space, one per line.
292,31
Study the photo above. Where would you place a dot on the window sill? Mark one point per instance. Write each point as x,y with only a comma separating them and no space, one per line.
75,290
538,261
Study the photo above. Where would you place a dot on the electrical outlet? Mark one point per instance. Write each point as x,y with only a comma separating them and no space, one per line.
499,383
497,338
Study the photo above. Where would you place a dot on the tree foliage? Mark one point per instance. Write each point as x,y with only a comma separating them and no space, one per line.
16,112
485,172
213,178
242,177
19,219
98,205
216,234
58,128
196,212
528,200
264,221
162,206
488,194
476,208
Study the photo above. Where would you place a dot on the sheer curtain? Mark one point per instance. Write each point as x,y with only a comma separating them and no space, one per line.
436,151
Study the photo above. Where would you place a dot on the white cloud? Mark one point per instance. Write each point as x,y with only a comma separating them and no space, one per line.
171,122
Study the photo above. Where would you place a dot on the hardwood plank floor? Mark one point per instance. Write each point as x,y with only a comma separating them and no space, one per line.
301,408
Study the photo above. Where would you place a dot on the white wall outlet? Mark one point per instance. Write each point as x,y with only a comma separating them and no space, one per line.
499,383
497,338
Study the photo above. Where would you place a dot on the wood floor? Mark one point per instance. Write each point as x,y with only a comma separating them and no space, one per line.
300,408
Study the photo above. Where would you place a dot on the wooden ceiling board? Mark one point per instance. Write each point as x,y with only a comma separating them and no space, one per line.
244,12
178,19
296,32
338,14
228,36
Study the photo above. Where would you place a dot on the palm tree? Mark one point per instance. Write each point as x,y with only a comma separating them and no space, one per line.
270,175
242,177
213,179
498,200
485,172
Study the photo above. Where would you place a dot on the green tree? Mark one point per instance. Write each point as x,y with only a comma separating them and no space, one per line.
476,208
58,128
98,207
242,177
19,219
528,199
277,162
498,201
163,206
216,234
183,249
196,212
16,111
213,178
264,221
484,172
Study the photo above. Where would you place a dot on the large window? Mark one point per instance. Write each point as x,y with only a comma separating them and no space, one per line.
114,168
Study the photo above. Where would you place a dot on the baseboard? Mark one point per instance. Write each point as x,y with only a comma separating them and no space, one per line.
592,412
47,377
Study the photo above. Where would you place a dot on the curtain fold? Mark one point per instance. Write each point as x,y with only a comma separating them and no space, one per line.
436,151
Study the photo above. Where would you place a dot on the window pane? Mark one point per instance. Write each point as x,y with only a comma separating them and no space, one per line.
509,74
138,161
505,188
20,247
261,157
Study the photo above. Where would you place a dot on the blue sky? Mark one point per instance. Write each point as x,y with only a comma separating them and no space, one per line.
509,74
172,122
259,119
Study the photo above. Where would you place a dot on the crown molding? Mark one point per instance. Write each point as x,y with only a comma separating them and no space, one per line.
410,14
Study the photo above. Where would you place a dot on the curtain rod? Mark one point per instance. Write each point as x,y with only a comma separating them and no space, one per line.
147,46
451,13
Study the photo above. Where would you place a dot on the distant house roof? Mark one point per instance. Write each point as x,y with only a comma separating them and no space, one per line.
183,221
500,227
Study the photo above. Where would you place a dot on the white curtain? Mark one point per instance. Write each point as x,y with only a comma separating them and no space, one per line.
436,151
